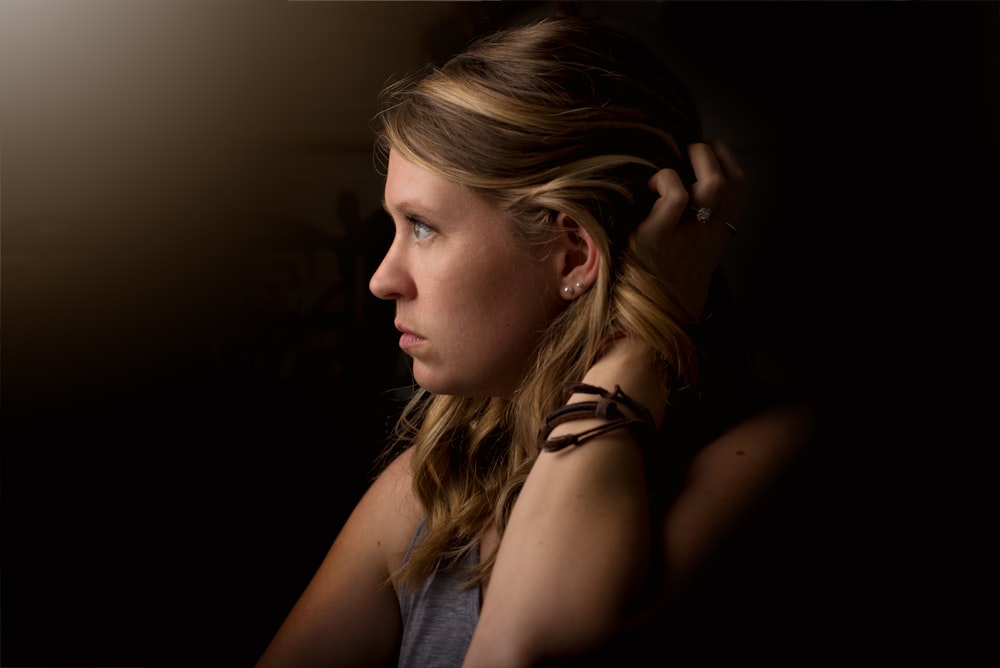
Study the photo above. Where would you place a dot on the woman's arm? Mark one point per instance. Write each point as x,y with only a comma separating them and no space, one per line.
578,543
349,615
728,483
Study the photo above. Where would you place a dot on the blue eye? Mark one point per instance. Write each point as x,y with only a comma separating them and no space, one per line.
421,230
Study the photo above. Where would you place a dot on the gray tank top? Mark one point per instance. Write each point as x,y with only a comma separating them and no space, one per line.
439,617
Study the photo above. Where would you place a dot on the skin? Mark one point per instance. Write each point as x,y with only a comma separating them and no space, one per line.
470,301
475,304
593,500
348,615
578,501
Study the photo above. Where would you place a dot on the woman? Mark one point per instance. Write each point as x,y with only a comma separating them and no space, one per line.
558,218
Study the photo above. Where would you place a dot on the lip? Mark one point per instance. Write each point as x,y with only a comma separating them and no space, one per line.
408,338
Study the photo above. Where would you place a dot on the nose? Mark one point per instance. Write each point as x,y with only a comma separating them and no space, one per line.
391,280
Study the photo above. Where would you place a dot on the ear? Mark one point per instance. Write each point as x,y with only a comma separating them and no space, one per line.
577,258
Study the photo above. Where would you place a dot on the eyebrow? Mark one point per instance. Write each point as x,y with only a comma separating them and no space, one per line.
413,216
416,209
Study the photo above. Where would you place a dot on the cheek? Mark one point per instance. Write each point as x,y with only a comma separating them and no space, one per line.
519,302
502,295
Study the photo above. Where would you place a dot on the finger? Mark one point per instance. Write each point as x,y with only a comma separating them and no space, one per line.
710,178
667,184
735,179
668,207
726,160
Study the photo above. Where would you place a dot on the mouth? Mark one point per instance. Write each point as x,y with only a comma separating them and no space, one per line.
409,339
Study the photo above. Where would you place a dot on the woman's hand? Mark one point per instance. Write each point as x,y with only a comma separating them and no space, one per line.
687,251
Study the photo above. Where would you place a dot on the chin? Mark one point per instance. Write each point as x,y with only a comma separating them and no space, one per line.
453,388
433,384
448,389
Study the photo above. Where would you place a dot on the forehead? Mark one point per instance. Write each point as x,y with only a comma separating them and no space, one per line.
410,186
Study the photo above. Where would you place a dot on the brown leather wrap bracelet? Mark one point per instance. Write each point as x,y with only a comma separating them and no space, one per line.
606,408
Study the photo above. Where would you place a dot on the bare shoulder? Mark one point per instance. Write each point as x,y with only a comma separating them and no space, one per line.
348,615
391,509
393,481
761,446
731,480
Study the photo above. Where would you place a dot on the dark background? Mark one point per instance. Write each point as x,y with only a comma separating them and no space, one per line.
195,381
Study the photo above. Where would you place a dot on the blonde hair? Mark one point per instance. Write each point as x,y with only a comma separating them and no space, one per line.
560,115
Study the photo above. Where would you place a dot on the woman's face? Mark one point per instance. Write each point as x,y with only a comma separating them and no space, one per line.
471,301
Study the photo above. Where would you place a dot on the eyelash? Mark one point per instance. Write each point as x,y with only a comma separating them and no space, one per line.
416,224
